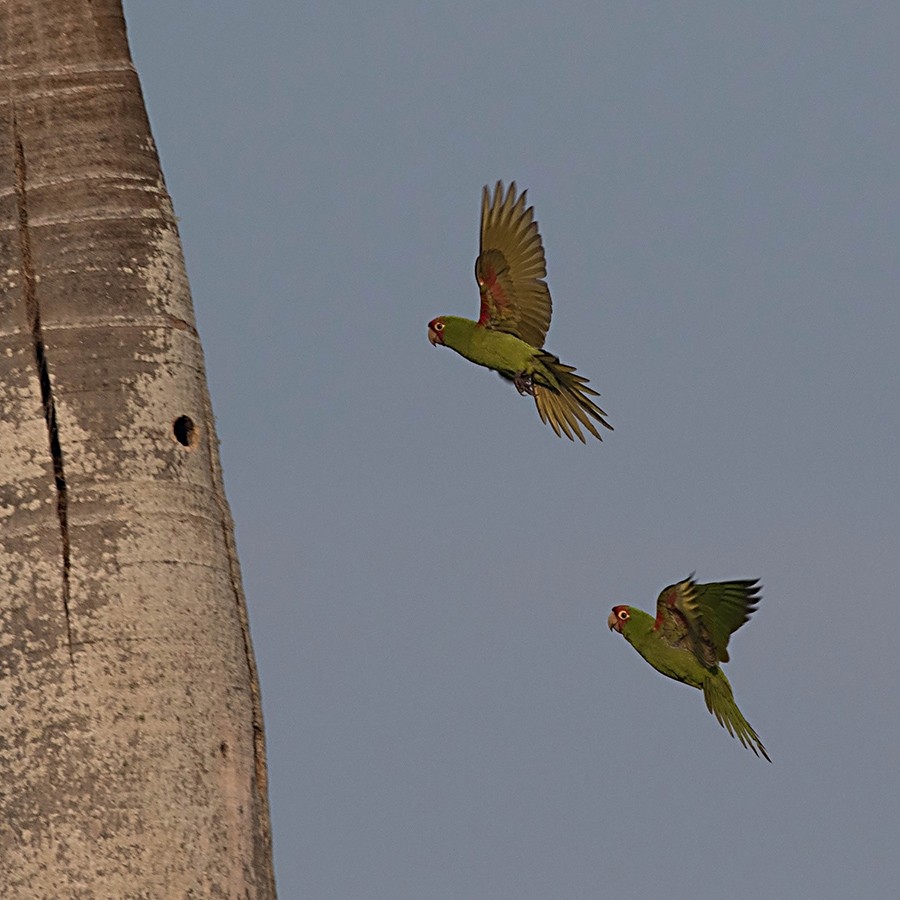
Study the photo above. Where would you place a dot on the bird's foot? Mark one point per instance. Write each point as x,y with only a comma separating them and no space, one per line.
524,384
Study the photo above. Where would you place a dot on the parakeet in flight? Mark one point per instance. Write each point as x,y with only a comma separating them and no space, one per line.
515,315
689,638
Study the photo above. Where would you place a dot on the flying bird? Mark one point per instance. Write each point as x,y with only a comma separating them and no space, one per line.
515,315
689,638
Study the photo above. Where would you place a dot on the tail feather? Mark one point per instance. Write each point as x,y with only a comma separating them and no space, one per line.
720,702
563,400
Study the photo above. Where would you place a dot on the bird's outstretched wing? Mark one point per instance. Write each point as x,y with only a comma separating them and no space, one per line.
705,615
510,268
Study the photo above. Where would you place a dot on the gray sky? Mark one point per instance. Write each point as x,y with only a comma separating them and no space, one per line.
429,568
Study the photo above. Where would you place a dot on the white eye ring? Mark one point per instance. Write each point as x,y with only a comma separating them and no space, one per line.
438,326
623,615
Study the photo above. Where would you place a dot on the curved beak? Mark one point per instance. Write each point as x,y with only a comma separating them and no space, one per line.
613,622
433,337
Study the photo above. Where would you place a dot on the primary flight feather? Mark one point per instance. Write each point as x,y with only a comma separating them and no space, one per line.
689,638
515,315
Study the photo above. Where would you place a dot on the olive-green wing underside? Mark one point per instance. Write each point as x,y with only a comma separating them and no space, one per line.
510,268
706,615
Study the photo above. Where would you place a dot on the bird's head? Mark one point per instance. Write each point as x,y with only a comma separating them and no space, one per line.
618,618
436,331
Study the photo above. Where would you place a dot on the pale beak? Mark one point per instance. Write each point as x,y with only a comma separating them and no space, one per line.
433,337
613,622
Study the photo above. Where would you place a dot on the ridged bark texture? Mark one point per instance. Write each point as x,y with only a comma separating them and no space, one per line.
132,762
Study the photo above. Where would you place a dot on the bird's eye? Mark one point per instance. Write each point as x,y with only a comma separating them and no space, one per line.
438,326
623,615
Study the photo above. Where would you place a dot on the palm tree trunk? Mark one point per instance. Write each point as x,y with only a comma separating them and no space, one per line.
132,759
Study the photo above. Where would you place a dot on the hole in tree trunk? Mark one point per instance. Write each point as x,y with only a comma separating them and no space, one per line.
185,431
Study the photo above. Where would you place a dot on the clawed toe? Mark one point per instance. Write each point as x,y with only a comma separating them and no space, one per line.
524,384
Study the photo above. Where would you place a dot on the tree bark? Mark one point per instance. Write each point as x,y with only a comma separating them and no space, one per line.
132,759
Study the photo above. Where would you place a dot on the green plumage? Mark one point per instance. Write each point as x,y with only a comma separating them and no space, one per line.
498,350
689,638
515,315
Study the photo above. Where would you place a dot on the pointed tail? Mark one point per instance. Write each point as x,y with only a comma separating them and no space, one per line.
563,400
720,702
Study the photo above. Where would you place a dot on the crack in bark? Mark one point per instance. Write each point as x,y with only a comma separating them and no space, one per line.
48,403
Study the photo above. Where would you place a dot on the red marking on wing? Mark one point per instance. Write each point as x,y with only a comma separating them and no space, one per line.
668,598
491,294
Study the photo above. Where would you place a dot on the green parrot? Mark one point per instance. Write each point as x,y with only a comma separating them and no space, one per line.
515,315
689,638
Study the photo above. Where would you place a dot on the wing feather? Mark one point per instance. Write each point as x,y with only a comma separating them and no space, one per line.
511,268
706,614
